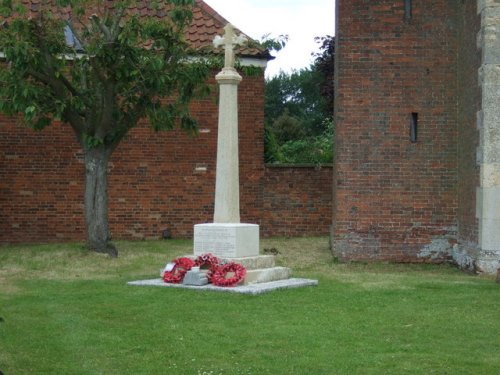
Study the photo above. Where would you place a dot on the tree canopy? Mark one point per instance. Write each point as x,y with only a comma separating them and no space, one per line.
99,67
324,63
116,68
299,111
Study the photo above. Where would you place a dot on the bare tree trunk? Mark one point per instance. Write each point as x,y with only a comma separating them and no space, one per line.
96,200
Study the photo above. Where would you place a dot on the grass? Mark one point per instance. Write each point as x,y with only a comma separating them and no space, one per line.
67,311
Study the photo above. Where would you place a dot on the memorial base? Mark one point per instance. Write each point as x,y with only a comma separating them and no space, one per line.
227,240
260,269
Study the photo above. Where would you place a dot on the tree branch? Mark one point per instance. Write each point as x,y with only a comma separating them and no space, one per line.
75,122
70,115
104,29
132,117
106,121
72,89
40,77
115,27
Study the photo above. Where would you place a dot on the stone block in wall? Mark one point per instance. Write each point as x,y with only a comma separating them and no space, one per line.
491,45
491,144
489,236
490,175
488,261
482,4
488,203
489,74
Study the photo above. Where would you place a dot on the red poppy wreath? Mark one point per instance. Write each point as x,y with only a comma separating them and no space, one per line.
220,278
176,275
207,261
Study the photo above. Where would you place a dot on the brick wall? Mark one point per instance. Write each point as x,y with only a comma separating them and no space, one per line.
297,201
156,180
469,103
395,200
41,194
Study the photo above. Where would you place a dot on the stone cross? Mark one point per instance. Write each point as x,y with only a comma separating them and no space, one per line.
226,237
229,41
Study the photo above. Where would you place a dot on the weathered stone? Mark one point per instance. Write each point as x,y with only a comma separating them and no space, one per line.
487,258
487,261
464,255
195,277
253,289
227,193
254,263
490,175
266,275
227,240
489,234
250,263
488,203
439,249
226,237
483,4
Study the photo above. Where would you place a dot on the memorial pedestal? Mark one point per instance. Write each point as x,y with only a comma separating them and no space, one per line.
227,240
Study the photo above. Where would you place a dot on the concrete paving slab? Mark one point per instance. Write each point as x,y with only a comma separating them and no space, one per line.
252,289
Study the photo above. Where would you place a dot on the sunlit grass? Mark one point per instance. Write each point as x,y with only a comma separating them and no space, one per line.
69,311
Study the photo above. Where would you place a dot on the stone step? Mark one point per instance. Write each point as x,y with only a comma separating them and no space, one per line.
250,263
265,275
254,263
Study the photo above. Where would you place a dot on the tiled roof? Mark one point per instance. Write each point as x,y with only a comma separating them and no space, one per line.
206,24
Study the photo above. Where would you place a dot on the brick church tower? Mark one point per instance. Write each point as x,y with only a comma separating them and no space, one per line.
417,170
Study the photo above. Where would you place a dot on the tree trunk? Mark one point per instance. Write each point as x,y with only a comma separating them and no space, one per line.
96,200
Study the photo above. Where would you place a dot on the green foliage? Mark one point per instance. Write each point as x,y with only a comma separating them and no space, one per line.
121,68
309,150
288,128
272,152
297,119
297,95
249,71
324,63
273,44
299,112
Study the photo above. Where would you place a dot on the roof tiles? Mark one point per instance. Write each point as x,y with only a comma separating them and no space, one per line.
206,23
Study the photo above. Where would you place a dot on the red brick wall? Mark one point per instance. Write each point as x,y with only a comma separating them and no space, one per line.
297,201
468,135
395,199
153,180
41,192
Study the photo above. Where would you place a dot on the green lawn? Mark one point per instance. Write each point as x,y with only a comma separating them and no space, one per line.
67,311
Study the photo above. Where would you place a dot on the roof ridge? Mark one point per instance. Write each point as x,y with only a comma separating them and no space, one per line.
211,11
204,7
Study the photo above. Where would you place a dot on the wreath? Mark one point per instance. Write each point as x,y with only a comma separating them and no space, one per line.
207,261
176,275
220,278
